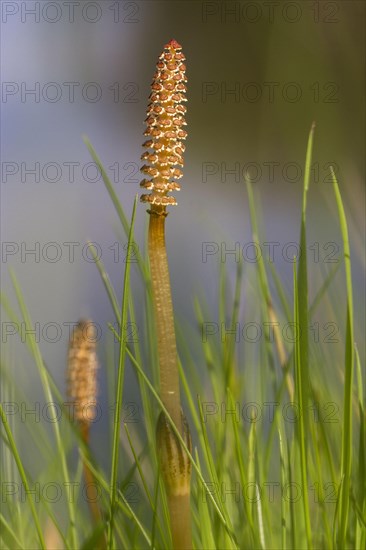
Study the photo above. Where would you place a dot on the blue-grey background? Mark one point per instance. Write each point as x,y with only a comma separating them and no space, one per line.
258,76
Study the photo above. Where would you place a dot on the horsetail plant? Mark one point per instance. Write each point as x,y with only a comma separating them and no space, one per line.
164,153
82,390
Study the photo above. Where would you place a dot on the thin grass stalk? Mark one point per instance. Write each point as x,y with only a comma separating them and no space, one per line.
120,381
361,523
284,505
89,480
346,464
301,422
302,277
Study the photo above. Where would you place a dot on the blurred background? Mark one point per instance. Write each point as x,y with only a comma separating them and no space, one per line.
259,73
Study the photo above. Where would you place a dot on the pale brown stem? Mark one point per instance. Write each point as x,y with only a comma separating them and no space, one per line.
167,348
90,480
180,519
174,462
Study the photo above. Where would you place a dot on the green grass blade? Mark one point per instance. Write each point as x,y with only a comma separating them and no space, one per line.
252,481
263,280
146,402
205,527
284,505
136,520
361,533
155,519
348,375
302,295
299,379
229,356
120,380
290,477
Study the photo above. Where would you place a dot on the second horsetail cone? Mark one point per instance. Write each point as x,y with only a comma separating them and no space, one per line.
82,371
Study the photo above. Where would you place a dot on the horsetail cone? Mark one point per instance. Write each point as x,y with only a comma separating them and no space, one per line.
82,371
165,121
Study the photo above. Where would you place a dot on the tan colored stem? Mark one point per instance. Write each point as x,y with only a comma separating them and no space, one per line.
175,464
167,348
180,519
89,480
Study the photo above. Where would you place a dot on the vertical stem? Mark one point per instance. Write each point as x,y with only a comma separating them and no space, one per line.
95,511
176,467
167,348
89,478
180,519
